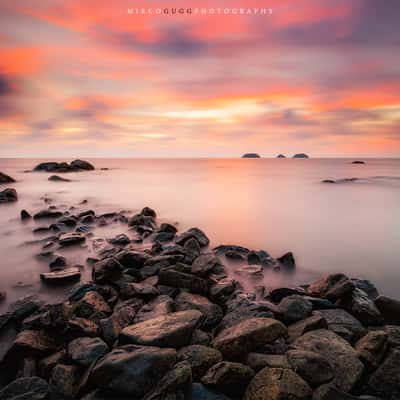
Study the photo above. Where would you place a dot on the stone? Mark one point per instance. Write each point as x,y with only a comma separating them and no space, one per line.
25,215
4,178
85,350
47,364
294,308
56,178
389,308
107,269
141,289
311,366
371,348
82,164
195,233
246,336
367,287
132,259
343,359
91,303
393,335
260,257
278,294
287,261
222,290
32,388
64,379
24,307
200,358
134,370
70,239
212,313
330,392
303,326
61,276
161,305
171,330
201,337
301,155
258,361
204,264
201,392
251,155
47,214
57,262
332,287
385,381
172,277
8,196
277,384
228,377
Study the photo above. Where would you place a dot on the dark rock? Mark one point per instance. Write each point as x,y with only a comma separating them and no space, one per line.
134,370
258,361
277,384
64,379
260,257
234,255
70,239
78,327
343,359
301,155
247,335
139,290
328,181
287,260
56,178
132,259
250,155
312,367
165,227
25,215
367,287
91,303
61,276
194,233
107,269
222,290
6,178
161,305
358,162
2,295
294,308
306,325
57,262
389,308
276,295
333,287
228,377
47,364
330,392
172,277
204,264
82,164
85,350
68,221
32,388
24,307
8,195
120,240
280,156
47,214
201,338
231,247
171,330
393,335
200,392
164,237
371,348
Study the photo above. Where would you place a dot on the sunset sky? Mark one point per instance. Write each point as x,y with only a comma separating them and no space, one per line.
85,78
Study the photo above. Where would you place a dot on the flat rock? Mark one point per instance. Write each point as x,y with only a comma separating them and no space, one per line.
32,388
85,350
8,195
246,336
61,276
70,239
171,330
47,214
56,178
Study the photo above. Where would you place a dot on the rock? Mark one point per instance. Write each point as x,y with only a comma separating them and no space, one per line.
258,257
389,308
258,361
78,327
172,277
47,214
228,377
58,261
25,215
280,156
328,181
24,307
330,392
82,164
159,306
371,348
32,388
204,264
250,155
288,261
92,303
69,239
6,178
2,295
393,335
200,392
200,337
358,162
138,290
171,330
56,178
85,350
194,233
64,379
61,276
132,259
342,323
366,286
301,155
311,366
200,358
247,335
164,237
294,308
343,359
108,269
277,294
306,325
277,384
234,255
222,290
333,287
47,364
8,195
385,381
212,313
134,370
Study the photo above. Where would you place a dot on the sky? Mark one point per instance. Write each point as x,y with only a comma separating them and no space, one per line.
88,78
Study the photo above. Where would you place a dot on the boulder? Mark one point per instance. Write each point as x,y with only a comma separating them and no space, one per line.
332,287
301,155
371,348
25,215
5,178
133,370
277,384
258,361
343,359
8,195
260,257
221,291
85,350
305,325
159,306
171,330
294,308
64,379
250,155
132,259
106,270
32,388
61,276
204,264
200,358
70,239
278,294
82,164
47,214
246,336
174,278
228,377
56,178
389,308
194,233
201,392
287,261
92,303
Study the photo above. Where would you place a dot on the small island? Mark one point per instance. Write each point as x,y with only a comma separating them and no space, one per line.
301,155
251,155
280,156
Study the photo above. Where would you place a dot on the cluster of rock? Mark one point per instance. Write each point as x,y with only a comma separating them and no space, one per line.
59,167
167,322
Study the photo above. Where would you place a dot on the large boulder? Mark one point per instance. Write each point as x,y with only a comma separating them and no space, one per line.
32,388
107,269
8,195
294,308
85,350
193,233
134,370
6,178
341,356
258,361
174,278
246,336
171,330
92,303
332,287
204,264
303,326
277,384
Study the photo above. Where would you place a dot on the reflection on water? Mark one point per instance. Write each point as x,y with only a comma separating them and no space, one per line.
274,204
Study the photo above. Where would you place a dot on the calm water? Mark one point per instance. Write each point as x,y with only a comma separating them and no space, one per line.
272,204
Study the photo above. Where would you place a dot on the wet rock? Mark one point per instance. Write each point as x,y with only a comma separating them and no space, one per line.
194,233
120,240
56,178
389,308
294,308
358,162
25,215
171,330
201,392
258,257
8,195
234,255
61,276
134,370
82,164
139,290
200,358
78,327
278,294
159,306
24,307
212,313
204,264
288,261
6,178
258,361
47,214
172,277
32,388
246,336
306,325
85,350
385,381
277,384
164,237
67,221
222,290
58,262
107,269
311,366
228,377
371,348
70,239
154,264
91,303
343,359
333,287
64,379
132,259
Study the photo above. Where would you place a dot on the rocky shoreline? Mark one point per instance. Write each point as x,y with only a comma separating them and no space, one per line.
167,321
